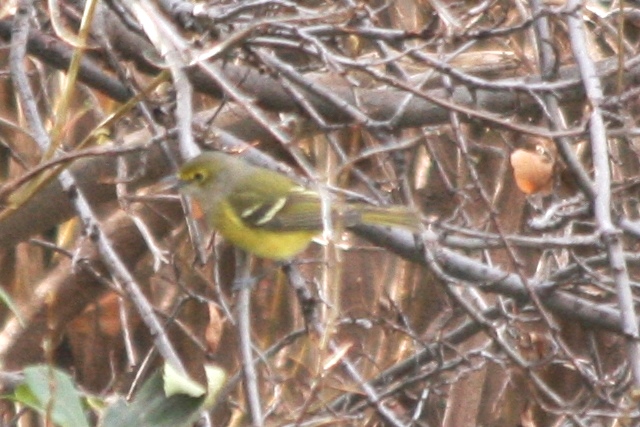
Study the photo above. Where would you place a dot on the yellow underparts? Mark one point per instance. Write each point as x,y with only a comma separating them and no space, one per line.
277,245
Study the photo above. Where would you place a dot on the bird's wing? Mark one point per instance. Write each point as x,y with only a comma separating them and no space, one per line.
296,210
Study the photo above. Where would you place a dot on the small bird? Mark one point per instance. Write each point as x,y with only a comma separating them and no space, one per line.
267,213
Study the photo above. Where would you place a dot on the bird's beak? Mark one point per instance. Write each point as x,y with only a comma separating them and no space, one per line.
170,182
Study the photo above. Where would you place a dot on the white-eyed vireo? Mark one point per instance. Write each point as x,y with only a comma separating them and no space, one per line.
266,213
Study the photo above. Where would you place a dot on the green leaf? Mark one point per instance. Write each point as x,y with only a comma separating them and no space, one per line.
216,379
52,393
167,399
152,408
8,301
176,382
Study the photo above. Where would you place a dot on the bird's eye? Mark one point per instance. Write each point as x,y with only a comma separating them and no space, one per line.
198,176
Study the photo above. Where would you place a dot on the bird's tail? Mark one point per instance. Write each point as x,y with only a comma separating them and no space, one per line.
390,216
